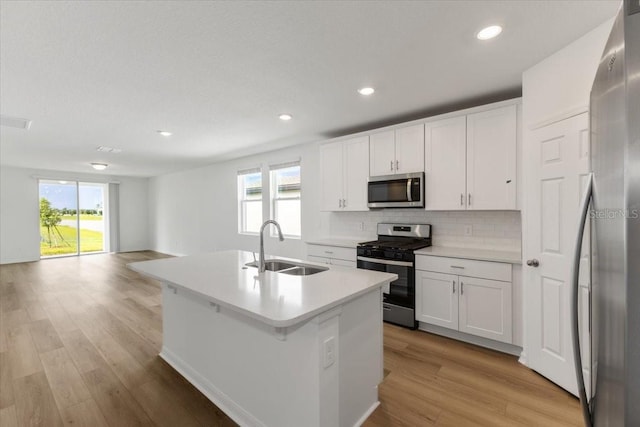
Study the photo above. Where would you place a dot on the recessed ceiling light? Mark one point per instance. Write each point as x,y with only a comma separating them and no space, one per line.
489,32
99,166
285,117
165,133
62,182
366,91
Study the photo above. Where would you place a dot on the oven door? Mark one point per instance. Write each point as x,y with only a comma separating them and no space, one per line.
401,291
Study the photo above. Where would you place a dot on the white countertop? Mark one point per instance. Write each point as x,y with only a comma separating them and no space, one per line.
276,299
350,243
476,254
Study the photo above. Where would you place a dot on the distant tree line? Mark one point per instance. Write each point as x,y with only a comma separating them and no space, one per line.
67,211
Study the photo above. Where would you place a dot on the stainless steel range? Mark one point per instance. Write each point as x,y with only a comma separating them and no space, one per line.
393,253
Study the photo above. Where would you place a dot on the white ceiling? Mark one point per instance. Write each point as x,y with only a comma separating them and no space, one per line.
218,74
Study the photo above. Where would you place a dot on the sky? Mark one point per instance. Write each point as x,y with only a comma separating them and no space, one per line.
64,195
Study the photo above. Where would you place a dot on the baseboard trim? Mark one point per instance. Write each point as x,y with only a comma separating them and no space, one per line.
221,400
366,415
472,339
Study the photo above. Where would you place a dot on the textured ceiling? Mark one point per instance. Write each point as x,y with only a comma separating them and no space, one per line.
218,74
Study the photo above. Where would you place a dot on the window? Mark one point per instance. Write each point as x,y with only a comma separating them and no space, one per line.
285,197
250,200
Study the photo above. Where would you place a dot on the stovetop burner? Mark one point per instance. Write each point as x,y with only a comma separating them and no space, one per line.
406,245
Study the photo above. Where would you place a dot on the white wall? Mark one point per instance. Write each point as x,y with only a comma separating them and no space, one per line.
197,210
19,216
19,211
559,86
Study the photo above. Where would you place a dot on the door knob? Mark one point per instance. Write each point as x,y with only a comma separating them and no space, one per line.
533,262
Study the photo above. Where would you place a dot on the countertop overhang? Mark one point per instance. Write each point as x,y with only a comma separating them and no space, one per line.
276,299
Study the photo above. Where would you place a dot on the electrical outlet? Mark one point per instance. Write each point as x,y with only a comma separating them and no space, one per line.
361,226
468,230
329,351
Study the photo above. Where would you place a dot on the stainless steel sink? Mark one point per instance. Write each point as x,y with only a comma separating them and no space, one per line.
287,267
273,264
303,271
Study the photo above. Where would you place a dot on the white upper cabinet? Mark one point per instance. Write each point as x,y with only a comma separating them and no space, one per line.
331,167
445,167
491,159
471,161
397,151
410,149
345,169
382,153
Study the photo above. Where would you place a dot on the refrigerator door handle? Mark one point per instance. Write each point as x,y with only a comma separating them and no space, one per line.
575,295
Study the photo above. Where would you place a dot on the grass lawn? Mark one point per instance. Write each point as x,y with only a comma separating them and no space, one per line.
84,217
91,241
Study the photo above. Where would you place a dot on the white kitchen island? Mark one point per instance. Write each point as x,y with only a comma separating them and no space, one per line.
273,349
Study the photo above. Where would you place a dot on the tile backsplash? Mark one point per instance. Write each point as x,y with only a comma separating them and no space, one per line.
493,230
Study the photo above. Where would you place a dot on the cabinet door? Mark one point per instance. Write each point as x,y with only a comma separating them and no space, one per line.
342,262
319,259
410,149
491,159
382,153
445,168
356,173
437,299
485,308
331,177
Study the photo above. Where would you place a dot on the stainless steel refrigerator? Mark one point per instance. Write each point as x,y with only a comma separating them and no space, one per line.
615,229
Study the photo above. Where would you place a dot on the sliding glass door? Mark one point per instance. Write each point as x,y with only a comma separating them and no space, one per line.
72,220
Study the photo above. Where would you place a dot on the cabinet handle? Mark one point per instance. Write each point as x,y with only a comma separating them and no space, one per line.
397,165
457,266
344,203
339,203
469,199
454,286
391,165
461,288
328,252
461,199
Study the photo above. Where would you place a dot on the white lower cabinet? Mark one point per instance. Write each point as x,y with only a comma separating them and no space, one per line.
332,255
437,299
473,305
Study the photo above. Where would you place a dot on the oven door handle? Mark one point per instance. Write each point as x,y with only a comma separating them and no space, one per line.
386,261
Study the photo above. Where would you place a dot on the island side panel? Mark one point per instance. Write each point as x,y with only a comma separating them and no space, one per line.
241,365
361,357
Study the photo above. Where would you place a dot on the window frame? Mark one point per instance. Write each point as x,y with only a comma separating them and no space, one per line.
243,201
273,199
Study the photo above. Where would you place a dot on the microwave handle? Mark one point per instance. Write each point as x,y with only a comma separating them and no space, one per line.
409,190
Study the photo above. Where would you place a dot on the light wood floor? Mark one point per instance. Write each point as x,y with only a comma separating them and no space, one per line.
79,339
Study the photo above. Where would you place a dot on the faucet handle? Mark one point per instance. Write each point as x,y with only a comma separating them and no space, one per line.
254,256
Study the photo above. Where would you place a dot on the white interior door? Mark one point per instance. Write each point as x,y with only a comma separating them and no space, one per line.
555,158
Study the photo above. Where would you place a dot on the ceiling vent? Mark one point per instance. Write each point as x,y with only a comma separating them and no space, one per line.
104,149
15,122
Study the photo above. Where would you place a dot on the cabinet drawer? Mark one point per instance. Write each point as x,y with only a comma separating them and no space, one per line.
465,267
347,254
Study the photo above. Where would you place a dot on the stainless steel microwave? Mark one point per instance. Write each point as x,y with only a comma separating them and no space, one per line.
396,191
